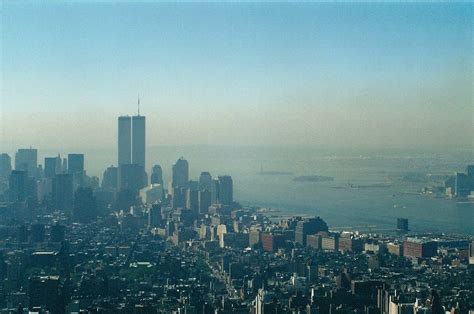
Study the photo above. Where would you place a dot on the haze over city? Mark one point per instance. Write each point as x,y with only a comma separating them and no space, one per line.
339,75
226,157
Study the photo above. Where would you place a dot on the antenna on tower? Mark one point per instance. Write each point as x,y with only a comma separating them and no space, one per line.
138,104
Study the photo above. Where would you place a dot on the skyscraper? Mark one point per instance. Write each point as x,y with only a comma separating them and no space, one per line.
76,169
5,166
226,193
180,173
131,177
64,166
138,140
18,185
307,227
131,143
124,140
156,175
26,159
205,181
85,205
75,163
63,192
52,166
204,201
192,200
215,191
110,179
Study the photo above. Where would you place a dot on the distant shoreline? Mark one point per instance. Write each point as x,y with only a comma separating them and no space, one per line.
313,178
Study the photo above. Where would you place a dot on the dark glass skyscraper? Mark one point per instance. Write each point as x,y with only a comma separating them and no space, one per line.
156,175
18,185
205,181
75,163
226,193
110,179
63,192
52,166
180,173
131,177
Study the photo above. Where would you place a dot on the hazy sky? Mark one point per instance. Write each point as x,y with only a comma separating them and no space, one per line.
254,74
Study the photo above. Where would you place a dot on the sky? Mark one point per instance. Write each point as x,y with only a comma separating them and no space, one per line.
341,74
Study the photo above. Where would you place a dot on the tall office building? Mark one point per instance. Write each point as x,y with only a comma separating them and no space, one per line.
124,140
156,175
110,178
461,185
179,197
64,166
192,200
76,169
308,227
131,149
85,205
402,224
63,192
205,181
204,201
52,166
26,159
138,140
131,177
154,216
471,253
215,191
5,166
226,194
75,163
180,173
18,185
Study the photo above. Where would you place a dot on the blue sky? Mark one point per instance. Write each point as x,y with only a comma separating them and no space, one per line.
238,73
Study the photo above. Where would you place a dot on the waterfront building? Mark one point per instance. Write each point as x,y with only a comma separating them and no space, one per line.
419,248
402,224
307,227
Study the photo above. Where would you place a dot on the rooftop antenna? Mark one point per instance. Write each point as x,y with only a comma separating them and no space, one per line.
138,104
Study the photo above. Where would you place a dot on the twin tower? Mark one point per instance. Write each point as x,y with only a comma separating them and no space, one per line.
131,140
131,153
